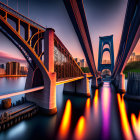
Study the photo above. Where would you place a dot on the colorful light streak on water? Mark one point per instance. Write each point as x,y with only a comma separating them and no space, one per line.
95,121
105,99
96,104
80,129
86,123
124,119
87,108
136,125
66,121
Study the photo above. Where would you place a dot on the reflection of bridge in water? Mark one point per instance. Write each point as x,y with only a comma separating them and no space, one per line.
52,63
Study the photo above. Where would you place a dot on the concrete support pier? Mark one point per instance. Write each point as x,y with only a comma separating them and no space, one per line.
79,87
46,99
121,83
133,86
95,83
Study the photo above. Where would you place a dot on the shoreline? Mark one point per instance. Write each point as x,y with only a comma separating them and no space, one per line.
3,76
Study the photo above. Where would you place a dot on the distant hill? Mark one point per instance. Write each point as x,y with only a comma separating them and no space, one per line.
132,67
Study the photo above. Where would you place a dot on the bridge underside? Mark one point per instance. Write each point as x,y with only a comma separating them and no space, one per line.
129,39
77,15
130,36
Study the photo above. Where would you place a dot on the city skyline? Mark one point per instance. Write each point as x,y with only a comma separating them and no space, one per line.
106,21
13,68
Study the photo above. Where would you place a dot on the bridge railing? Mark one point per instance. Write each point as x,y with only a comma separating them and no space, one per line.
64,64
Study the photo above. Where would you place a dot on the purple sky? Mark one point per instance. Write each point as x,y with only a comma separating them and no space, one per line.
105,17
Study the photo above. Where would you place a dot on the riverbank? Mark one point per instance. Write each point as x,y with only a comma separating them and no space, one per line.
132,67
2,76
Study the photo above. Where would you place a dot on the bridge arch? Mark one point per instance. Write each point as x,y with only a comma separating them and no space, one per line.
23,52
106,59
106,45
13,35
36,71
47,100
106,72
106,50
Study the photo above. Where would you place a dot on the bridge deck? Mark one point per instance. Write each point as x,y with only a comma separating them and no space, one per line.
42,87
62,81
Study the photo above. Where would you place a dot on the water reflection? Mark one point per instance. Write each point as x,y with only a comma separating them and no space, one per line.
82,118
124,119
17,130
96,102
136,125
9,85
66,121
80,129
87,108
105,99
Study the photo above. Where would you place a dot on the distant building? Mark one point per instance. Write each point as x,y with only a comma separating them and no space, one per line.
2,71
81,62
2,66
137,58
77,59
134,58
23,70
13,68
78,63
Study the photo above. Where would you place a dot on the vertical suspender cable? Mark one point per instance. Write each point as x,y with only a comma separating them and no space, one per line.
7,2
28,8
17,5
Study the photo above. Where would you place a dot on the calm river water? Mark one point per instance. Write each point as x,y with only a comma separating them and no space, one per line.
105,115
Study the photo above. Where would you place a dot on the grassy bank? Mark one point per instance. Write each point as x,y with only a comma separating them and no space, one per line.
132,67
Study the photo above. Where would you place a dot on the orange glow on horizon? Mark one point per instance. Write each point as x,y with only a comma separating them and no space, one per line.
80,128
124,119
66,121
136,125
